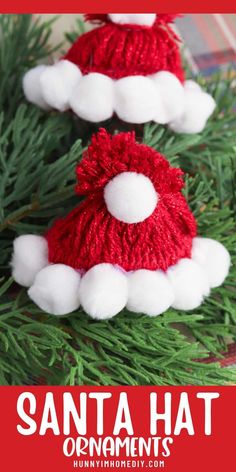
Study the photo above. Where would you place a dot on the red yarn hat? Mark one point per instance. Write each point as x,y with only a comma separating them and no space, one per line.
129,65
130,243
122,50
90,235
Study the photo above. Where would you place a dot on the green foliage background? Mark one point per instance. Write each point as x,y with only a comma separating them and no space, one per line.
38,153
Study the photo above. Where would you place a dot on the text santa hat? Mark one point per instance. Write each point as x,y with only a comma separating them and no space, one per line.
132,242
130,65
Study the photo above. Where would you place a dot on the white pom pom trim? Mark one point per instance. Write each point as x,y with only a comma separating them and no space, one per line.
32,87
198,107
56,289
30,255
214,259
135,99
190,284
130,197
58,82
92,99
104,290
142,19
150,292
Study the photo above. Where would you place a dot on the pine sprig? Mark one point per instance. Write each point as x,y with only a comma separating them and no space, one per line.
38,153
36,182
24,42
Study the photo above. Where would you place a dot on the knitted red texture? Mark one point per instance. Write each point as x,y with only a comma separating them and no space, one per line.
90,235
124,50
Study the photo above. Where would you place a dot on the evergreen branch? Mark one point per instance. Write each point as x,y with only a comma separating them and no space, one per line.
24,41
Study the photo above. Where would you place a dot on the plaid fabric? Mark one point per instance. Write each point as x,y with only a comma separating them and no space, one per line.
210,42
229,359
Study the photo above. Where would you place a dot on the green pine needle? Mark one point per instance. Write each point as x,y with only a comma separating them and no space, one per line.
38,153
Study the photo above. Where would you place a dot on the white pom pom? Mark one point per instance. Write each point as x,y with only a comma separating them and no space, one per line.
92,99
213,257
189,283
142,19
30,255
136,99
103,291
56,289
130,197
32,87
198,108
150,292
172,93
191,85
58,83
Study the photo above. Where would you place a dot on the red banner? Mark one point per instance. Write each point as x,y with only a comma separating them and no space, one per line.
117,428
117,6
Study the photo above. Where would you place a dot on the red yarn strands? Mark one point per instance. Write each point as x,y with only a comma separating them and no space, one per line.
124,50
89,235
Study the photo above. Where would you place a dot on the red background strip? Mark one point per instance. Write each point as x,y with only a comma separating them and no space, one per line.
198,453
117,6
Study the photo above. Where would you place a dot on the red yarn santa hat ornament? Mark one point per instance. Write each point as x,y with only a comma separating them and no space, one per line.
131,242
119,50
163,238
130,65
